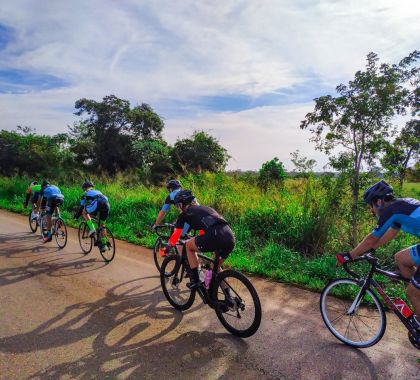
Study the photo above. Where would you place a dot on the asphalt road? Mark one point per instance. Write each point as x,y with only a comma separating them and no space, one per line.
64,315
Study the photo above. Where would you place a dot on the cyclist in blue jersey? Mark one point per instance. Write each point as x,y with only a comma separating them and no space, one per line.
173,186
94,202
394,215
51,194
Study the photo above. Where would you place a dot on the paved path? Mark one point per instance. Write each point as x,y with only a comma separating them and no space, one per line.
64,315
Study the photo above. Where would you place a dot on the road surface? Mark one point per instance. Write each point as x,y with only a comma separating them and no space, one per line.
64,315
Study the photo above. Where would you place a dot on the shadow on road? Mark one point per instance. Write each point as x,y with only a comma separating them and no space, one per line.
16,246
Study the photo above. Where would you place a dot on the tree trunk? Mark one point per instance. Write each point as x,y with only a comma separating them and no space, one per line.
354,209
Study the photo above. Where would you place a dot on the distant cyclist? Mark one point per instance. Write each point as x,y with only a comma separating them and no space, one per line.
217,236
53,197
394,215
32,195
94,202
173,186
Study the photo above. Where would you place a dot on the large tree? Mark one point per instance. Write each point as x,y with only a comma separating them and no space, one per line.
352,127
201,152
104,139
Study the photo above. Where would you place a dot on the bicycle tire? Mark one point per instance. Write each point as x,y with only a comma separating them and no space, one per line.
172,274
329,300
237,303
42,223
32,222
85,242
158,258
60,232
109,254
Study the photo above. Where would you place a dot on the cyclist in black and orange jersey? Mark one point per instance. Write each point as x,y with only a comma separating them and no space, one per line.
216,236
394,215
32,195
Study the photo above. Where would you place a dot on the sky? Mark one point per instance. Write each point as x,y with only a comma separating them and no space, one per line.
244,71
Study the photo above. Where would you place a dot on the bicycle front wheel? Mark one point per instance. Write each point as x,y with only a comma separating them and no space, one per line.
109,252
86,242
156,256
355,319
237,304
174,284
33,223
60,233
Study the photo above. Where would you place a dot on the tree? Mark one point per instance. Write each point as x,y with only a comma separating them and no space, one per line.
104,140
405,147
352,127
199,153
302,164
271,173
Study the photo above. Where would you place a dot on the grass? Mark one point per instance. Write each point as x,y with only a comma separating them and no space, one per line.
289,234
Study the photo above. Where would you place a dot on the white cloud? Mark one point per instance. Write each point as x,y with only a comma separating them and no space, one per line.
163,51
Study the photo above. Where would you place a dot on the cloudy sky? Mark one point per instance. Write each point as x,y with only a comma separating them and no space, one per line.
245,71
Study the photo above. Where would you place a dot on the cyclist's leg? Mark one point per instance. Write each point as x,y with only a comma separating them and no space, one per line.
87,211
413,290
49,210
103,212
406,260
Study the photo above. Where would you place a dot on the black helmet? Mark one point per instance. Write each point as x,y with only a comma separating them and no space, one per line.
45,183
184,196
377,191
34,183
87,184
173,184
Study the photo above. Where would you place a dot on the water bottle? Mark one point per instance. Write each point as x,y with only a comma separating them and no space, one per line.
201,275
207,278
402,307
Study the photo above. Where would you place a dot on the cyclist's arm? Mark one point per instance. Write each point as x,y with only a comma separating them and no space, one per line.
389,235
175,236
160,217
369,242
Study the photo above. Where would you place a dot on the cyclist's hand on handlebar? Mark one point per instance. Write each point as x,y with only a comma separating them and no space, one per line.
167,248
343,258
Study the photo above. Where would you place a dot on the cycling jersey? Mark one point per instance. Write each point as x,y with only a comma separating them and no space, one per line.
94,201
91,196
400,214
199,218
51,191
32,192
170,200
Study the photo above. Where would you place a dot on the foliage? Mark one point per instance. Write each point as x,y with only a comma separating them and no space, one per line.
358,120
199,153
303,165
271,173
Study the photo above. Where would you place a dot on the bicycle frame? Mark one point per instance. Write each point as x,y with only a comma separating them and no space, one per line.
369,281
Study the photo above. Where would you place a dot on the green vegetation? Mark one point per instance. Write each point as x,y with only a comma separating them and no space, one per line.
290,234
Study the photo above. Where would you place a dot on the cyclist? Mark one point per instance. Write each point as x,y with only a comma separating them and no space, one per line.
216,235
92,203
173,186
394,215
32,194
53,198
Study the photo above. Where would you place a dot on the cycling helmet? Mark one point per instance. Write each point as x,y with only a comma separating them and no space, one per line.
87,184
34,183
173,184
45,183
377,191
184,197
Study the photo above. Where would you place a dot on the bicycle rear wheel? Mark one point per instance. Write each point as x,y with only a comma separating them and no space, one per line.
33,223
356,320
109,253
42,225
174,284
60,233
86,242
239,308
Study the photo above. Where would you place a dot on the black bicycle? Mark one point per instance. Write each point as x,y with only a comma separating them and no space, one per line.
352,311
229,293
102,233
59,229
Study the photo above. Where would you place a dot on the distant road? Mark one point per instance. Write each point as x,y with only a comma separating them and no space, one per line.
64,315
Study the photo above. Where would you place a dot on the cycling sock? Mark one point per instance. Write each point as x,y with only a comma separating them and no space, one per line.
90,225
103,240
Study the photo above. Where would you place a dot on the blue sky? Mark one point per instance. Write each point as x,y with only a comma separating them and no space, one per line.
246,71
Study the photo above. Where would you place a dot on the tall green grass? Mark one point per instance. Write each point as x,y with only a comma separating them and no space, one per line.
289,234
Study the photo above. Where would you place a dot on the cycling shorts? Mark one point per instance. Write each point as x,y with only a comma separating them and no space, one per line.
52,203
415,281
415,254
219,239
99,206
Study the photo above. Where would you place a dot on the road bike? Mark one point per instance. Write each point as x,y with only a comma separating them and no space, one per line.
35,221
353,312
87,242
229,293
59,229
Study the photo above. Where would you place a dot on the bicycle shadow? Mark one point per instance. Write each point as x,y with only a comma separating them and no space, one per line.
20,245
